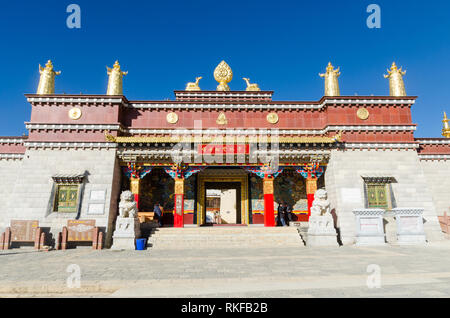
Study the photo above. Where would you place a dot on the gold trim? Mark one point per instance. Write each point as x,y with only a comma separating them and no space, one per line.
246,139
202,179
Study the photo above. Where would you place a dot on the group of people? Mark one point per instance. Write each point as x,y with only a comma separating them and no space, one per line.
284,214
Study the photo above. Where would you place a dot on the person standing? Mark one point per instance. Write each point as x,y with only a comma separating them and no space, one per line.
158,213
288,214
281,215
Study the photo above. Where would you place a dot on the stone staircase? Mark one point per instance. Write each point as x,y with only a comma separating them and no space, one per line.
224,237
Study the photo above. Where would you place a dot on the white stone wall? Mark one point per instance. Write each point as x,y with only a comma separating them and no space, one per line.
32,196
9,170
345,186
437,174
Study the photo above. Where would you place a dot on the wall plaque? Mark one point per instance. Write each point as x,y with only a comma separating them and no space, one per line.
98,195
96,208
80,230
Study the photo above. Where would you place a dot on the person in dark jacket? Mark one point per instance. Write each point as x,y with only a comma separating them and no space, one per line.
281,218
158,214
288,214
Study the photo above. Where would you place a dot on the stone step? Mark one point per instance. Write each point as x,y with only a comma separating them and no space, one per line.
224,237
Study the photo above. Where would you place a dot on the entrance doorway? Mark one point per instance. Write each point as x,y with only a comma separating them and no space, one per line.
223,203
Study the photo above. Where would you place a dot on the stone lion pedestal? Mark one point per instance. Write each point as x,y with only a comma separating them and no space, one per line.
127,224
321,231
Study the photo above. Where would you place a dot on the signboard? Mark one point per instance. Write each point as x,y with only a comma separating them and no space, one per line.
80,230
23,231
96,208
212,149
98,195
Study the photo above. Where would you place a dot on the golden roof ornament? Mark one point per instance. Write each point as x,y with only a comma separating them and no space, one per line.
396,84
115,83
222,119
47,80
446,127
223,75
251,87
331,81
194,86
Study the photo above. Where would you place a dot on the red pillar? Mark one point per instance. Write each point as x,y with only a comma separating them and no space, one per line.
135,185
269,213
311,188
178,210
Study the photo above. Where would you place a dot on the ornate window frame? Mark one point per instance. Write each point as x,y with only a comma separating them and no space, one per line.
385,181
75,181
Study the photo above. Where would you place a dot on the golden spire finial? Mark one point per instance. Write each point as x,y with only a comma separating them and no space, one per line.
47,80
331,81
446,127
251,87
223,74
115,83
396,84
194,86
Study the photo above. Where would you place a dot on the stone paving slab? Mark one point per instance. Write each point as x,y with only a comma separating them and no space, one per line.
406,271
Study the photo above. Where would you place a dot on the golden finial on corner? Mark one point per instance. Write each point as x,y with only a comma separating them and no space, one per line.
194,86
396,84
223,74
331,81
115,83
446,127
251,87
47,80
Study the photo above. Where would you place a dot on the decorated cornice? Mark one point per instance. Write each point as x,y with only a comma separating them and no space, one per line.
280,131
375,146
384,101
11,156
432,157
76,99
433,141
33,126
11,140
70,145
246,139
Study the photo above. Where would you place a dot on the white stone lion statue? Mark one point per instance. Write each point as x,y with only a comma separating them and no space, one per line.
320,205
127,205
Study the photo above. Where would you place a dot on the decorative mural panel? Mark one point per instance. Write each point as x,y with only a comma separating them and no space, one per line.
189,195
257,195
157,186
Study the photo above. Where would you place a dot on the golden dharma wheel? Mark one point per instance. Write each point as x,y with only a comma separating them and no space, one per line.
75,113
172,118
272,118
362,113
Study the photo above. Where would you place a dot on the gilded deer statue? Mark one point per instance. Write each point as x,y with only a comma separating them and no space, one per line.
194,86
251,87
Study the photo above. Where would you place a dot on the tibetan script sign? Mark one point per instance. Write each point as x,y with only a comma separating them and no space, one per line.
23,231
80,230
212,149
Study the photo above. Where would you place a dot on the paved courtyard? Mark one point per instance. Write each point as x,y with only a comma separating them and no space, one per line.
419,271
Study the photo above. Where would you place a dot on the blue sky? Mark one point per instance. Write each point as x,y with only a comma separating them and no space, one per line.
281,45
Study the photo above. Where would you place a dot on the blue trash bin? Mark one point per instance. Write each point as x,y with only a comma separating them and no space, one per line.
140,244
